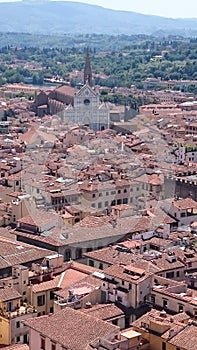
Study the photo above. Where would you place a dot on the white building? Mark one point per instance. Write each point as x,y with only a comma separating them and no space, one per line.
88,110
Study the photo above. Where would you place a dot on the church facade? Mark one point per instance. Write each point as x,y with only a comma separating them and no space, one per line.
86,108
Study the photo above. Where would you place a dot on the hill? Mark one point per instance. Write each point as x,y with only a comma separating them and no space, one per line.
49,17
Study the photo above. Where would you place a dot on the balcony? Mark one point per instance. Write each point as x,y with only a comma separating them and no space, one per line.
69,302
22,310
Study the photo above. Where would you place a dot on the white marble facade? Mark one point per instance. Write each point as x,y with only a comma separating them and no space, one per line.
87,109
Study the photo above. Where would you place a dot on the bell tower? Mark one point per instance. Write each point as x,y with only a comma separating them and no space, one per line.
88,70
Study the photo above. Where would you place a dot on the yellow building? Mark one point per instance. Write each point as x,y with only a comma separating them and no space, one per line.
12,312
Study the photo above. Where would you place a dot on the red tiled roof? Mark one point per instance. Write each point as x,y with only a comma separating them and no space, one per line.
9,293
79,329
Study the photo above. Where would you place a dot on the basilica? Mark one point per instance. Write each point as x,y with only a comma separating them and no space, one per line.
86,108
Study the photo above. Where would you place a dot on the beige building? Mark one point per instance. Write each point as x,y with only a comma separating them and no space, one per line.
128,286
83,332
174,297
165,332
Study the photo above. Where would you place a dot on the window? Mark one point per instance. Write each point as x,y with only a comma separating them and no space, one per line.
51,310
163,346
130,286
100,194
106,204
41,300
91,263
115,322
119,299
53,346
25,339
143,325
51,295
42,345
165,303
170,274
122,283
125,200
180,308
119,191
99,205
67,255
93,195
178,274
18,339
17,183
89,249
152,299
182,215
18,324
101,266
107,193
79,253
125,190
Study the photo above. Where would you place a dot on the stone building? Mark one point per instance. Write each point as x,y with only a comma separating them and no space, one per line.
86,108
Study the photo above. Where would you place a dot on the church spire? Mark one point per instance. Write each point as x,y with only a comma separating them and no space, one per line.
88,70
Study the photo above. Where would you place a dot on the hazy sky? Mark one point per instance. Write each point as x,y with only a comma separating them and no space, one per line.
168,8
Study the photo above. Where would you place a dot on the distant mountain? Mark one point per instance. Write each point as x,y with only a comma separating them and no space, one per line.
58,17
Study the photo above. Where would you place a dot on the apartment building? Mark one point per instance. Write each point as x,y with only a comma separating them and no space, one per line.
83,332
173,297
12,312
127,286
183,210
166,332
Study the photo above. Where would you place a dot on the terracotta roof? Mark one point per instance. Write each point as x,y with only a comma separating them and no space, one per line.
186,338
66,90
184,204
104,311
9,293
65,279
120,272
14,253
78,333
38,218
16,347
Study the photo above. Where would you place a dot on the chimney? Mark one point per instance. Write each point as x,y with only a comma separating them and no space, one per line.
163,314
88,305
171,333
